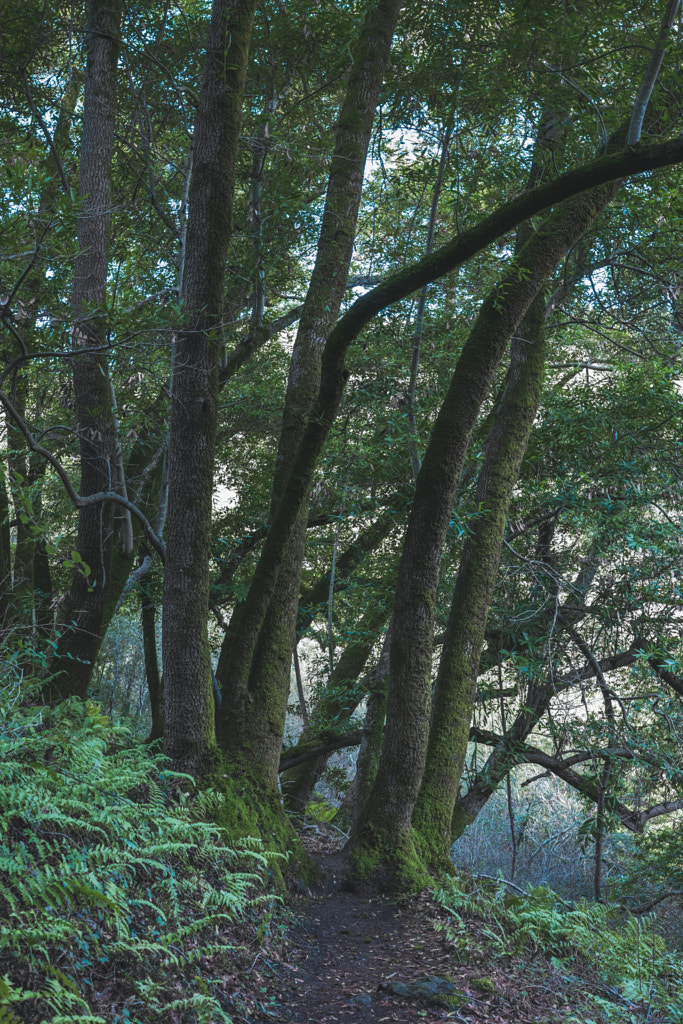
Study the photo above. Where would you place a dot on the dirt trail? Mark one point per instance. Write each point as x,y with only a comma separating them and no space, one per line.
345,946
372,960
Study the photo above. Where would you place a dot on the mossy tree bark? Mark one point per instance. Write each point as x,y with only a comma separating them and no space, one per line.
189,709
254,674
383,841
81,638
453,697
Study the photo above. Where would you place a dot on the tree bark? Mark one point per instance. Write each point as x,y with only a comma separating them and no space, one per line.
20,479
154,679
5,551
254,673
189,707
81,638
454,693
367,762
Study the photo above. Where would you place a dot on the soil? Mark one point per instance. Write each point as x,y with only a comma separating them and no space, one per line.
358,958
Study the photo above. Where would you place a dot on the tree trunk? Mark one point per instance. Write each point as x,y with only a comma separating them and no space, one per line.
373,729
154,679
254,675
20,478
383,843
456,681
337,703
189,706
5,551
81,637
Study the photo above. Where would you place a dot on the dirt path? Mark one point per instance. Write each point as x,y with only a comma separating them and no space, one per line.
353,958
345,947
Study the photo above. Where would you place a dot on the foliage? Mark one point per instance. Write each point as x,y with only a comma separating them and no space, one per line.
653,871
117,897
631,957
548,816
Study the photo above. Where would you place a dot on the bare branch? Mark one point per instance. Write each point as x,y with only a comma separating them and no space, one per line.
48,137
651,72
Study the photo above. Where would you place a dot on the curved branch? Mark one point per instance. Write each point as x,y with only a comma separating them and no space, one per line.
651,73
523,753
78,500
507,217
306,752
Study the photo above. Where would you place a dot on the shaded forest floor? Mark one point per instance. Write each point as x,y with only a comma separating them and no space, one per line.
354,958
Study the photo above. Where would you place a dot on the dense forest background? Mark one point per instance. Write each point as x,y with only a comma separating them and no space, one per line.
341,376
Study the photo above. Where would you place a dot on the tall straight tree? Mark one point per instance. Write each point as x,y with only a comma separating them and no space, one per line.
189,709
96,426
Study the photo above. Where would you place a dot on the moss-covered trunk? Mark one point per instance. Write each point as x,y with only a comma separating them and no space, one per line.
254,670
454,693
383,842
189,709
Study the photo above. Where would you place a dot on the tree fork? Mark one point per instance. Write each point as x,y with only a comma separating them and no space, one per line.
254,671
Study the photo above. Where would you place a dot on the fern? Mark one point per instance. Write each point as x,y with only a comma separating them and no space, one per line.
104,875
628,952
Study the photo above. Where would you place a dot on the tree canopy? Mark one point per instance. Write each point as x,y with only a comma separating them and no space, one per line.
352,329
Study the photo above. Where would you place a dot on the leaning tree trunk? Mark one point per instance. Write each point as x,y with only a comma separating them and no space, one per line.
81,635
189,710
382,845
337,703
477,367
255,679
453,697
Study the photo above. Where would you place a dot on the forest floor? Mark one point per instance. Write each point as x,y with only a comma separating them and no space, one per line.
355,958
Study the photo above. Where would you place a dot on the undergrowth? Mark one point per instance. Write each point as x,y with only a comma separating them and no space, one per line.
118,901
641,979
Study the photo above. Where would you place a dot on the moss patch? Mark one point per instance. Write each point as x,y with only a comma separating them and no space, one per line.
249,810
386,865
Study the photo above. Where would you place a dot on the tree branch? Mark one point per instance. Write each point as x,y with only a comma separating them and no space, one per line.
78,500
291,758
